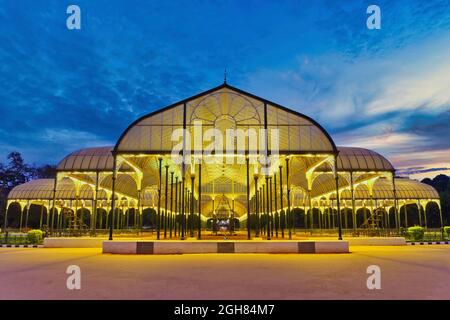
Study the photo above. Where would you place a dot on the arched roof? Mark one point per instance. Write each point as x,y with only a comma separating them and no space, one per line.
42,189
35,189
93,159
359,159
225,107
89,159
405,189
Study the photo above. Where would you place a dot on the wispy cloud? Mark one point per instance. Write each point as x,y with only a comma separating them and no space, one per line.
398,104
388,90
70,139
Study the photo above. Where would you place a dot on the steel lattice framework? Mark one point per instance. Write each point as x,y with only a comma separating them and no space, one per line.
310,171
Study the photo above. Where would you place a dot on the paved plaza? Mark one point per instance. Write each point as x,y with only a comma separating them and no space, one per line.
408,272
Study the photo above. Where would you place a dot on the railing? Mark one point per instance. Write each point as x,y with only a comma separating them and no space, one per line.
94,233
431,234
351,232
17,237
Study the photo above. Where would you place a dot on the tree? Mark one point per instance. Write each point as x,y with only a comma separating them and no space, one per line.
44,172
16,172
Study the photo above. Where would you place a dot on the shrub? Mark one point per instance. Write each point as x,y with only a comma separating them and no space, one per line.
416,233
447,231
35,236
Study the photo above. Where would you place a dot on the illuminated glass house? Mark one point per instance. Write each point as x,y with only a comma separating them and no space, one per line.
139,184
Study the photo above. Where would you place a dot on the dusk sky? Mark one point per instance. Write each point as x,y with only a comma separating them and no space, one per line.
386,90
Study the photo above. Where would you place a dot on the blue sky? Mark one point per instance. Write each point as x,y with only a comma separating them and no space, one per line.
388,89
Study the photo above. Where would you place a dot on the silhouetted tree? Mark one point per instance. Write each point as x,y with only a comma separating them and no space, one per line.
44,172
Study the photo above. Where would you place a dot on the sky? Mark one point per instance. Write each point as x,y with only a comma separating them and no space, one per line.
387,90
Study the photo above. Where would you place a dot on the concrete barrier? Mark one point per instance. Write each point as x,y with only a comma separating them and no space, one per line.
211,246
179,247
331,246
266,247
73,242
120,247
381,241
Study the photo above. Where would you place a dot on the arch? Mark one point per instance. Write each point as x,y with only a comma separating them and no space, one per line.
392,217
149,218
34,215
362,214
432,212
299,217
14,211
347,217
101,219
315,215
84,218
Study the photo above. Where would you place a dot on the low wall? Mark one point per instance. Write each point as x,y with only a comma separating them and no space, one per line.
251,246
381,241
211,246
73,242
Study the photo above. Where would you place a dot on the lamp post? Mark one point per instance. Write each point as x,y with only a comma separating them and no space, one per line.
255,178
158,216
267,208
183,209
281,202
248,199
171,224
191,233
166,216
288,211
199,201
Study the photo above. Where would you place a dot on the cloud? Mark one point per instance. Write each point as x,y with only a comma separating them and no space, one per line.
431,158
385,143
413,171
418,83
398,105
385,90
403,23
70,139
333,88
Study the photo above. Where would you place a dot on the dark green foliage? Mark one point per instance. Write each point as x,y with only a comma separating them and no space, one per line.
35,236
416,233
447,231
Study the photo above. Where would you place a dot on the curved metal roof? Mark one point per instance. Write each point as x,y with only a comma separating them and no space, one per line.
224,107
405,188
89,159
42,189
35,189
360,159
